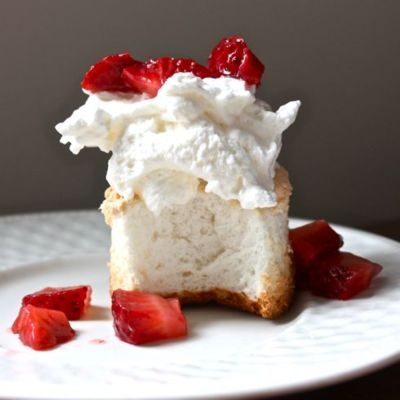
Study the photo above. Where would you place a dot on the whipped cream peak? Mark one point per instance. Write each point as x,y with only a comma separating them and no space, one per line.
211,128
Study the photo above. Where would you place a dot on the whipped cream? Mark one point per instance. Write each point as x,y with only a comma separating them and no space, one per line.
212,128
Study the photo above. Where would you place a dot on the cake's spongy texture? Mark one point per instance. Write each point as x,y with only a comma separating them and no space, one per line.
206,250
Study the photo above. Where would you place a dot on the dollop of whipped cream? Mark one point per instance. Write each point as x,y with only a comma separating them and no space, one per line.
212,128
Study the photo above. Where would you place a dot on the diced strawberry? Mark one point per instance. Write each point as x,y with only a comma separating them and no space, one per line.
189,65
141,317
106,75
340,275
120,72
143,78
41,328
232,57
73,300
151,75
311,240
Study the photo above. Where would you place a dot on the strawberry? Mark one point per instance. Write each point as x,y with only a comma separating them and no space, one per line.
41,328
120,72
143,78
148,77
73,301
107,74
141,317
232,57
189,65
340,275
311,240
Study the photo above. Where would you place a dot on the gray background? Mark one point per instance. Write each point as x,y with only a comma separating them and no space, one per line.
341,58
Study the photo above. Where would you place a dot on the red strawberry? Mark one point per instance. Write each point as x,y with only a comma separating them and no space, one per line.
189,65
232,57
151,75
311,240
143,78
73,301
107,74
41,328
340,275
145,317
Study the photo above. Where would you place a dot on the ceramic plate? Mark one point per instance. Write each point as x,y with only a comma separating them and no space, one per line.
227,354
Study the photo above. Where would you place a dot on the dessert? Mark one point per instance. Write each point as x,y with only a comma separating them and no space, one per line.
197,203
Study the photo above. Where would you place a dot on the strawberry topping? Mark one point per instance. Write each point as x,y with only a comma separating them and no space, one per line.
145,317
41,328
340,275
73,301
232,57
143,78
120,72
311,240
106,75
322,268
148,77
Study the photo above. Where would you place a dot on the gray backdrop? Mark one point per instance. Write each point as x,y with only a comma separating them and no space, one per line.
341,58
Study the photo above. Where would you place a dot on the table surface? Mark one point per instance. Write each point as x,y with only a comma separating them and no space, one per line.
384,384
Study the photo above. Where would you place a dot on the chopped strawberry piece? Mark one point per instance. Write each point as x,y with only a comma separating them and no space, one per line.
41,328
311,240
145,317
107,74
73,301
151,75
120,72
340,275
322,268
232,57
189,65
143,78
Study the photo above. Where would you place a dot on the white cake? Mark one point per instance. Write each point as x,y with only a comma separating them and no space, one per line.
208,249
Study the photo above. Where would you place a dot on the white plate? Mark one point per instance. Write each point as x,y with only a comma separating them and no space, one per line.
227,353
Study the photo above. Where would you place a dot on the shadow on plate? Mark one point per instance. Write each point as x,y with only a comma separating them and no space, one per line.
211,313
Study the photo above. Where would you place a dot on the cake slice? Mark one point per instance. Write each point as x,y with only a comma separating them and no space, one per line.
206,250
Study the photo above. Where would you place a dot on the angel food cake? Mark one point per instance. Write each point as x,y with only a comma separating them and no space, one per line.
197,204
